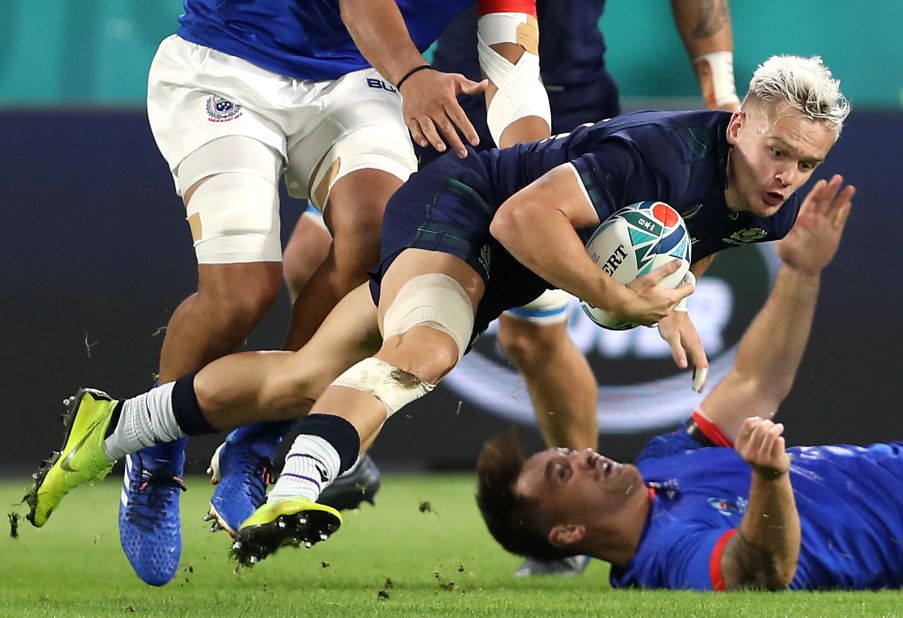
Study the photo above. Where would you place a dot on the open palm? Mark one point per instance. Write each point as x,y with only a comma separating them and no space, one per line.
813,241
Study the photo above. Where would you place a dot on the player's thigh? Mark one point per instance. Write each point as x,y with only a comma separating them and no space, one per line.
359,127
348,335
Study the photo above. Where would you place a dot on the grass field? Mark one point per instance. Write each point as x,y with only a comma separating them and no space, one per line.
423,551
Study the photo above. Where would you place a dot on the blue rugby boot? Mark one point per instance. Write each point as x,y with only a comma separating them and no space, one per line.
241,468
149,524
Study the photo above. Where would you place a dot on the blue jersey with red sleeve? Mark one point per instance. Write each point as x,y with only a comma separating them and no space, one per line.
848,497
303,40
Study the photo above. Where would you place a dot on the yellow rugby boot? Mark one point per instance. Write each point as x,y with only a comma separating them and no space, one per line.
82,457
294,521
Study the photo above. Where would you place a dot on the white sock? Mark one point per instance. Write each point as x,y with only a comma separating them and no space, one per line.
310,466
145,420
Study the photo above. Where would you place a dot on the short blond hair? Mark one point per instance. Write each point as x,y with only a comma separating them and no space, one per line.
806,84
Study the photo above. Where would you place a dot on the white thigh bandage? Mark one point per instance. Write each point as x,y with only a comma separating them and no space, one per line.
394,387
366,135
551,307
433,300
520,90
234,214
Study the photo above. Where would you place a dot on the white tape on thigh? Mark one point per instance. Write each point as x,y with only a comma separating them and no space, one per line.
369,134
234,218
520,90
550,307
392,386
233,153
234,213
373,147
432,300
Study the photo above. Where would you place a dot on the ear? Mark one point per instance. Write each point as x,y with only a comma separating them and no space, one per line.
566,535
736,124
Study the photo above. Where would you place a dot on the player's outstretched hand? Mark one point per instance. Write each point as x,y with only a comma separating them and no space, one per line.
761,445
647,303
812,242
432,112
678,330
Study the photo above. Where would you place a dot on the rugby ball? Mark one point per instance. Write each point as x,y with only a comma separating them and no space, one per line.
634,241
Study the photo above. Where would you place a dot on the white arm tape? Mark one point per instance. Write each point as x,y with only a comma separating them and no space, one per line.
520,90
721,66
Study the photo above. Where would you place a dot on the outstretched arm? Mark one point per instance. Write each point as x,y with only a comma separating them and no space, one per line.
772,348
764,551
705,27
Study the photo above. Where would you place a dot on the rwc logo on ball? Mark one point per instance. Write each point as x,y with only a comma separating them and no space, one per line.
638,239
222,110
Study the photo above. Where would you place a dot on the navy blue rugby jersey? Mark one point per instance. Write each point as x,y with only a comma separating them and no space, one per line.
301,39
675,157
571,58
848,497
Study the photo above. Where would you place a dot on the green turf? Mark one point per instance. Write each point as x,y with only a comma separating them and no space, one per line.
422,552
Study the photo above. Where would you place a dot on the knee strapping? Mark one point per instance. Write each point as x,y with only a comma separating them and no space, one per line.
520,90
436,301
394,387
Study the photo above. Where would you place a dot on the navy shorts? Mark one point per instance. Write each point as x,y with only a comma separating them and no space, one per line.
448,207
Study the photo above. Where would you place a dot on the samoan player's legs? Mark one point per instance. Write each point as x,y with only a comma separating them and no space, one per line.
558,376
348,163
307,248
213,118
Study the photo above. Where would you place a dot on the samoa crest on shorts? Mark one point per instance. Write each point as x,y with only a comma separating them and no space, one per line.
221,110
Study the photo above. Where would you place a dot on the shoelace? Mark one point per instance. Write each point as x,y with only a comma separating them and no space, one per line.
258,470
146,502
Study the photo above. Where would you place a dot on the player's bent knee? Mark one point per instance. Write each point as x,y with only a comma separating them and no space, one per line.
435,301
394,387
240,293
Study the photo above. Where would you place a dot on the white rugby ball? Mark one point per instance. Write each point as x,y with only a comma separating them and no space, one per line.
632,242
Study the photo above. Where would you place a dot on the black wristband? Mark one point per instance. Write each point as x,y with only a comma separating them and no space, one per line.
422,67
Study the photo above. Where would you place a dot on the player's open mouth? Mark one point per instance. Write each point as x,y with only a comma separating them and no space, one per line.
772,198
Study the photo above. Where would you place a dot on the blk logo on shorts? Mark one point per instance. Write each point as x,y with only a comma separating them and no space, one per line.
221,110
380,85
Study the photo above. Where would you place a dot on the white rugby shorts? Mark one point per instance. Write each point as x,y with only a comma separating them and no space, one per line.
328,128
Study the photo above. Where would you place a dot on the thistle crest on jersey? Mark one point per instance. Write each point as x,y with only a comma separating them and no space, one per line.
221,110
